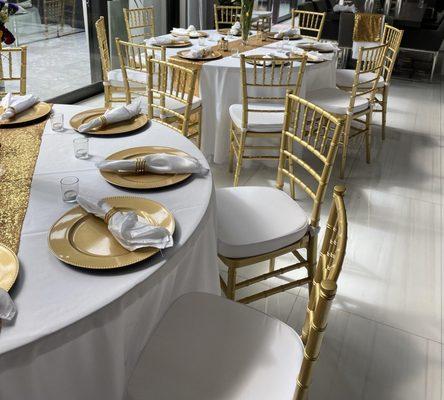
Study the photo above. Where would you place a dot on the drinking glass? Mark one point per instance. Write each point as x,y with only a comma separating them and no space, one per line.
57,122
70,188
81,147
285,42
201,41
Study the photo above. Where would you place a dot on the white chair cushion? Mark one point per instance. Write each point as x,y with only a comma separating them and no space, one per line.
210,348
257,121
115,78
345,78
336,101
255,220
175,105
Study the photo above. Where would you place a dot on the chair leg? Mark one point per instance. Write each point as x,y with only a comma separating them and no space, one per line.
368,137
107,95
240,158
232,143
435,59
312,251
346,134
199,129
384,111
231,284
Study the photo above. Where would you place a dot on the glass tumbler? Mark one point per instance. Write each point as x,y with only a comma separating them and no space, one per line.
70,188
57,122
81,147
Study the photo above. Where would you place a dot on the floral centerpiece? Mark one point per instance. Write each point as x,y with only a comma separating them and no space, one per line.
246,16
6,10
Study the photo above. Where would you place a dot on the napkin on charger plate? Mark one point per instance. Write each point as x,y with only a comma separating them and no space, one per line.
129,229
235,29
165,40
199,52
159,163
315,56
319,46
287,32
7,306
190,31
344,8
13,105
112,116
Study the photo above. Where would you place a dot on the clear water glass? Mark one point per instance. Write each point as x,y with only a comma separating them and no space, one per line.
202,41
81,147
57,122
70,189
285,42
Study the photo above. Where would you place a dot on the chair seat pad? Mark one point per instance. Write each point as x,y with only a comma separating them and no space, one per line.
257,121
115,78
175,105
255,220
336,101
345,78
210,348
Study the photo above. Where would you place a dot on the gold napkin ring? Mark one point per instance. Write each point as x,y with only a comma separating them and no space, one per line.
102,121
140,166
110,214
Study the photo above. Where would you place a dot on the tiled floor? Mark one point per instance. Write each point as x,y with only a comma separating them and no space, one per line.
385,338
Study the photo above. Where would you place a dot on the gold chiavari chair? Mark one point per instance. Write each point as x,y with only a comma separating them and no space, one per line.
72,6
53,13
257,224
139,23
261,116
310,23
113,85
352,107
226,16
258,356
13,70
344,77
171,99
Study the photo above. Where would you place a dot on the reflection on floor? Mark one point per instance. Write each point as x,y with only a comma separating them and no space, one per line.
384,339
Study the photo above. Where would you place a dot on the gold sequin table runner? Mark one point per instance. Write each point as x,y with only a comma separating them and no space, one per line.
18,154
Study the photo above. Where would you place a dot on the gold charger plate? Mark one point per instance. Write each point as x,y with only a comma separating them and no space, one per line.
9,267
143,181
201,34
34,113
226,31
83,240
178,44
270,35
129,126
311,47
214,55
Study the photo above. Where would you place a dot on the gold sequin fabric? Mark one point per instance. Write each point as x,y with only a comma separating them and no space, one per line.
18,154
368,27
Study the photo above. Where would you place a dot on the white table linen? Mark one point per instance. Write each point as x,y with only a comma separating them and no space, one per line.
78,334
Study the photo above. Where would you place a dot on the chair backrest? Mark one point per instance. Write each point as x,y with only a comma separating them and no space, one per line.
139,23
103,47
310,128
171,83
13,70
134,63
266,77
310,23
53,11
369,67
226,16
392,37
323,292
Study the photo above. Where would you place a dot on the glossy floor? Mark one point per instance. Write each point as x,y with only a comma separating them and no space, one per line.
384,339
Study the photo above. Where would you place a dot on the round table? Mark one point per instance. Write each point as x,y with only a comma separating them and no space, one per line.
78,334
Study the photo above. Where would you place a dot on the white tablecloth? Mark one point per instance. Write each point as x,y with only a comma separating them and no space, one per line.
220,87
78,334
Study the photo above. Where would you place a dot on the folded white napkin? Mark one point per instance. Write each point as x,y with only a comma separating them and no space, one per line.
165,39
297,51
16,104
130,230
160,163
199,52
287,32
235,29
344,8
190,31
320,46
112,116
7,306
315,56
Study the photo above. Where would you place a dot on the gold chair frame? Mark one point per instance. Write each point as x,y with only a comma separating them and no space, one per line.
310,21
113,94
139,18
324,288
370,60
279,74
8,74
321,140
53,10
226,16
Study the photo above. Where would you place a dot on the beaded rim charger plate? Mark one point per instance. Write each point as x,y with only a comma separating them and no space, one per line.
83,240
145,180
182,43
213,55
313,47
9,267
134,124
271,35
199,34
33,113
